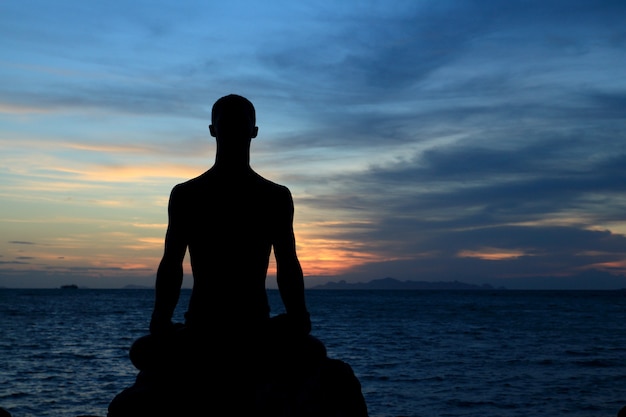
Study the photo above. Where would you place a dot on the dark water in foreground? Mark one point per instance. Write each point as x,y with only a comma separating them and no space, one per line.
417,353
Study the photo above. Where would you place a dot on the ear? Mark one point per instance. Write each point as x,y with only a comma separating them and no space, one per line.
212,130
255,131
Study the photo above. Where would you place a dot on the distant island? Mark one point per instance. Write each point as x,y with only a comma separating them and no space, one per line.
394,284
69,287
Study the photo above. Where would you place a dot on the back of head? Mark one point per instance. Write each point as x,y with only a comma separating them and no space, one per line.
233,108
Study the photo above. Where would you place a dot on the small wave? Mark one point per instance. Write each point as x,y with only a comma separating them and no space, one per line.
596,363
14,395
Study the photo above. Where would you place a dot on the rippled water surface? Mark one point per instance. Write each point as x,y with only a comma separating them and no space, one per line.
417,353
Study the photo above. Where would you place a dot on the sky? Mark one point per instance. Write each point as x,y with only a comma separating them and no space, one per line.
477,141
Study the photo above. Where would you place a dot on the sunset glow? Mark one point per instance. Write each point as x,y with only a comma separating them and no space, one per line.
420,140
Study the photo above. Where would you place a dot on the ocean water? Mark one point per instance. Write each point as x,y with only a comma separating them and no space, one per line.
481,353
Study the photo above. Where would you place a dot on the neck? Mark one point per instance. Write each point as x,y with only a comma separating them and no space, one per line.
232,164
233,159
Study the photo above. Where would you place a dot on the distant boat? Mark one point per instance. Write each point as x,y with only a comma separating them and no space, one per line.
69,287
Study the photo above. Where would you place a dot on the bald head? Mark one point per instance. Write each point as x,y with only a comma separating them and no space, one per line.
233,116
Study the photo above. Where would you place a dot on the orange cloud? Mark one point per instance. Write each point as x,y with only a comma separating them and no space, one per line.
613,266
491,254
330,257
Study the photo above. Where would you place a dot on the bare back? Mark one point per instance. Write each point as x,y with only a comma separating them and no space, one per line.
229,227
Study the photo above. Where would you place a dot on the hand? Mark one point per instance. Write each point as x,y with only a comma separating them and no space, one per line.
302,323
159,326
298,324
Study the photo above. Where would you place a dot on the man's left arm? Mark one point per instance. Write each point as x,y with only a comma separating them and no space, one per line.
169,276
289,275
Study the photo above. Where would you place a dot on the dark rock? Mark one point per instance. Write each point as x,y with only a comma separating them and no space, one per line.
296,382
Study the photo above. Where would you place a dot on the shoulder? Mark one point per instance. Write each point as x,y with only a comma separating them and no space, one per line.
272,187
270,184
192,184
182,194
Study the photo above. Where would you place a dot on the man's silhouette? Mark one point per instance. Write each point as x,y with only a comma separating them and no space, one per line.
230,355
229,218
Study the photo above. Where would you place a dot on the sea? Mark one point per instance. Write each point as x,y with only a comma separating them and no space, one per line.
426,353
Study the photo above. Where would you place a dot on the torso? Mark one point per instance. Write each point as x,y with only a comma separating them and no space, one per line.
230,226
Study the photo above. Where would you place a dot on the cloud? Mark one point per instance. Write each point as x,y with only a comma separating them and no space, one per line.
418,138
541,205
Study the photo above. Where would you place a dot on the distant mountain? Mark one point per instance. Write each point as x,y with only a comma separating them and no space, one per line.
147,287
394,284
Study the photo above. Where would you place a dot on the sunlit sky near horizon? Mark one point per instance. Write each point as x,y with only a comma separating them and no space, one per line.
479,141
